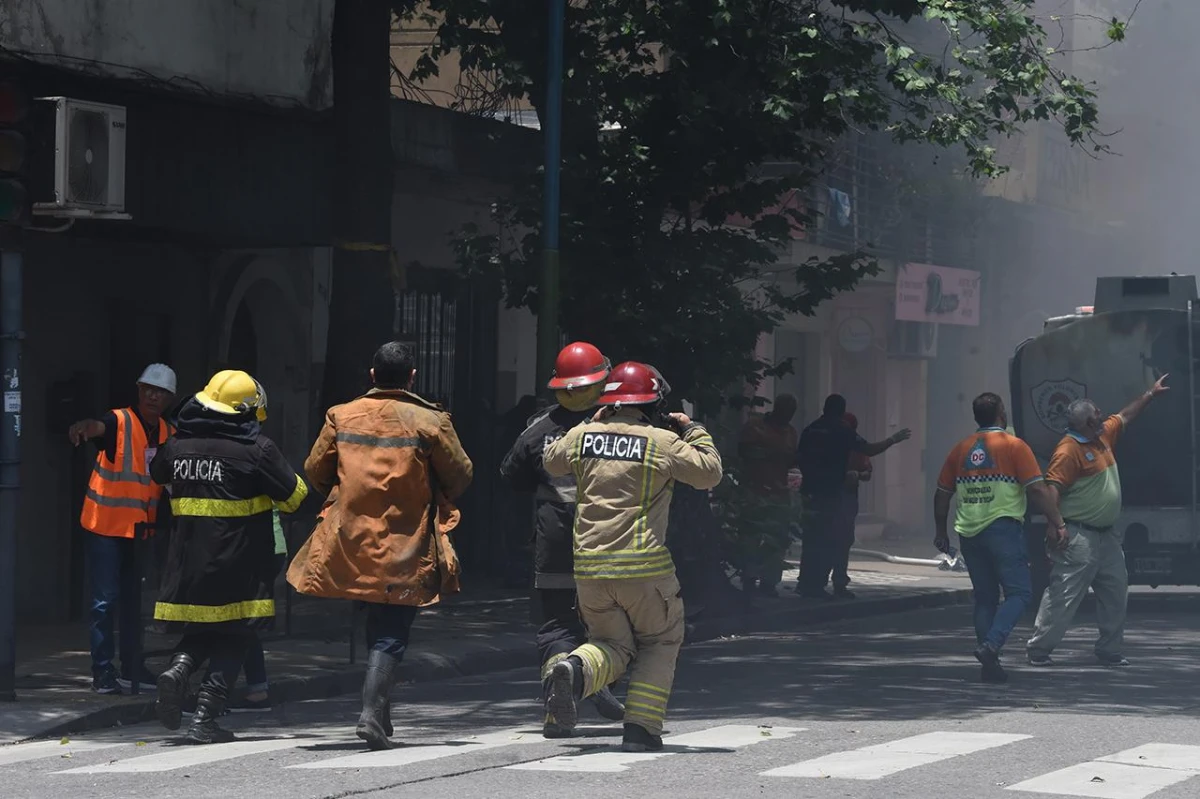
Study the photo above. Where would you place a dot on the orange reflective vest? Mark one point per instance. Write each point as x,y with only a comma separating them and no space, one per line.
120,493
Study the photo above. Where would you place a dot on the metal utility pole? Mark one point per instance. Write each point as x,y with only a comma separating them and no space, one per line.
547,317
10,462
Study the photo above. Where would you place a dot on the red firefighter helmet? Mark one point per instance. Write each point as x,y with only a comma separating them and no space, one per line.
579,365
633,383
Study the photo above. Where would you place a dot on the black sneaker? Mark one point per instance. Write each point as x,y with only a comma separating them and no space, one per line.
1112,659
987,654
819,594
993,673
638,739
1041,661
843,593
106,684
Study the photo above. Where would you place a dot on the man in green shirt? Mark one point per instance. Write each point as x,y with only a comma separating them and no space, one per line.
990,473
1086,484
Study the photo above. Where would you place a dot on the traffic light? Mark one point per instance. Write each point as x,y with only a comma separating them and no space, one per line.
14,154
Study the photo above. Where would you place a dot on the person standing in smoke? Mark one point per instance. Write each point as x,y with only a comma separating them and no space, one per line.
580,372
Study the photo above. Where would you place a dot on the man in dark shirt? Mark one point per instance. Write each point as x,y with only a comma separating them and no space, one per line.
824,458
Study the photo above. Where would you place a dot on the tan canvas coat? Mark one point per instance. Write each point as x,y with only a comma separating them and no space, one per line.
384,461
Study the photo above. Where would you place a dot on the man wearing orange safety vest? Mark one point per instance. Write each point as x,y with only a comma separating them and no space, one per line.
121,503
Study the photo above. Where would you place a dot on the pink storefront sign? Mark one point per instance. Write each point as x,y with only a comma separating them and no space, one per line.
926,293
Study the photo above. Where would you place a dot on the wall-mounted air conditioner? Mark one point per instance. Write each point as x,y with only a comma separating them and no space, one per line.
81,158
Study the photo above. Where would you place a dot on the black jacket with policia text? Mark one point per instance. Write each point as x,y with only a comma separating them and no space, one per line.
224,478
554,497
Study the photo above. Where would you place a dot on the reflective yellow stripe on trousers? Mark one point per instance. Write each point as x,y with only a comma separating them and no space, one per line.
646,701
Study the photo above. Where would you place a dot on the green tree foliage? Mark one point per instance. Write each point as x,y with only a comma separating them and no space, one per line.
671,106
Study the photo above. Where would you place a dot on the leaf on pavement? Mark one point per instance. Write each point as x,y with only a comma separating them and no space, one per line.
1098,779
140,743
65,740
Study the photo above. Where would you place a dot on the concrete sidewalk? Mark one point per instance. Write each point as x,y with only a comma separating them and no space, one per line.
482,630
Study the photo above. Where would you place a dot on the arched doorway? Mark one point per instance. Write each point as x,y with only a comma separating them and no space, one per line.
262,335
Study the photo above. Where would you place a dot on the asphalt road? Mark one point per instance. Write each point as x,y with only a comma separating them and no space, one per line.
885,707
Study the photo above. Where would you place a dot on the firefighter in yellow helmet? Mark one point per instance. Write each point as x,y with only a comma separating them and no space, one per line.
625,465
225,478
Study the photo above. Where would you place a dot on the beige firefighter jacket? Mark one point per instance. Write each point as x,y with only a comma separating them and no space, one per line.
626,469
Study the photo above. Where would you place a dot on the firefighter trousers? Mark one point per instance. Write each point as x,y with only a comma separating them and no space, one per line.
639,620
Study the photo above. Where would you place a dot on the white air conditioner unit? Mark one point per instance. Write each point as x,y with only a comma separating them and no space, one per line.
913,340
88,160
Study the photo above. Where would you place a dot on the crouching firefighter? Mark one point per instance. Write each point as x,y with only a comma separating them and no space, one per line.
225,478
579,374
626,466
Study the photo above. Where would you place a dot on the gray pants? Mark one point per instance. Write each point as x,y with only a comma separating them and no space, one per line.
1090,559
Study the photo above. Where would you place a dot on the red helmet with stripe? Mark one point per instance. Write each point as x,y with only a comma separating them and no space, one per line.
579,365
633,383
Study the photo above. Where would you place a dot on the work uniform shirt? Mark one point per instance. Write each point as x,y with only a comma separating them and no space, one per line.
554,497
626,469
1086,476
824,455
988,472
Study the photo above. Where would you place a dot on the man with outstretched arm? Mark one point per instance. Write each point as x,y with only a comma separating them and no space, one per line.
1088,551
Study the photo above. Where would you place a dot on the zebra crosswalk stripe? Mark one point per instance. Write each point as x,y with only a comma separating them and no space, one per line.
884,760
416,754
187,756
731,736
21,753
1131,774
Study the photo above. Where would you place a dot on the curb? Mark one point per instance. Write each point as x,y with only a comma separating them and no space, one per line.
432,666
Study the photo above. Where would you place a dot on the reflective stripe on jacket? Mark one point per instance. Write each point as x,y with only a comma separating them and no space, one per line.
626,468
120,494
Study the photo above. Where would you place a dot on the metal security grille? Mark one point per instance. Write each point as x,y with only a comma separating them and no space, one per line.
430,319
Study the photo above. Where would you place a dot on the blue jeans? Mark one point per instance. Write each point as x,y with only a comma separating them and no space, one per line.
256,662
997,558
388,627
116,589
256,667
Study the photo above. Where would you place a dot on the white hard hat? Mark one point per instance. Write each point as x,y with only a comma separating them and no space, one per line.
159,375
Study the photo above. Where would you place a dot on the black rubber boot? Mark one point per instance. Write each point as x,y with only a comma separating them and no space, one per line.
172,690
373,725
210,704
563,690
607,705
638,739
552,729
